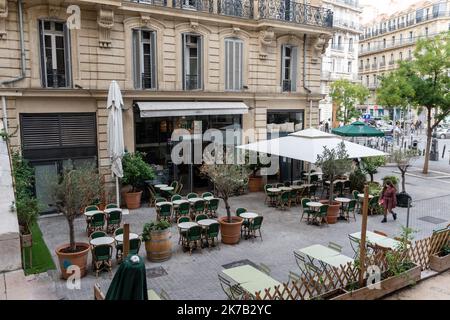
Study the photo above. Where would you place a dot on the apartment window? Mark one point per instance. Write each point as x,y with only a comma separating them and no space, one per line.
362,47
401,38
419,15
392,59
439,9
393,40
368,46
383,60
409,54
234,52
374,62
339,44
367,81
144,59
361,64
374,79
384,43
349,67
289,68
426,31
350,44
400,55
428,14
55,54
192,61
411,36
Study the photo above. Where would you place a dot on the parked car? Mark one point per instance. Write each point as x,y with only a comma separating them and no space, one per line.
443,133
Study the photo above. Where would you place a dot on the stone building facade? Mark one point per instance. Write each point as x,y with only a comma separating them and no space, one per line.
263,54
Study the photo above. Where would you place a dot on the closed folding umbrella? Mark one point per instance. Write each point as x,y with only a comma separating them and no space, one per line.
358,129
307,144
115,133
129,282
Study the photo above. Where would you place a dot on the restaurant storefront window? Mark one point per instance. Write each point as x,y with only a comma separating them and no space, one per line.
280,123
153,136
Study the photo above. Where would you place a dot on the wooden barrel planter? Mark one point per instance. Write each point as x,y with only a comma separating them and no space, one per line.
159,247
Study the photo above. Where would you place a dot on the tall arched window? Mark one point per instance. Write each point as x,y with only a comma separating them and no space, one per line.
144,59
234,51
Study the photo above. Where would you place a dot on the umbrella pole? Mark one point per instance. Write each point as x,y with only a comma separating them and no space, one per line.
362,248
117,192
126,239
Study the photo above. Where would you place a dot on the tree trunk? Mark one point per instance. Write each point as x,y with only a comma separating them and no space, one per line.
73,246
371,177
330,200
227,207
428,146
403,180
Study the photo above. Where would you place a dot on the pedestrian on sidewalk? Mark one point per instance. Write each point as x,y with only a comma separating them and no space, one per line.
389,200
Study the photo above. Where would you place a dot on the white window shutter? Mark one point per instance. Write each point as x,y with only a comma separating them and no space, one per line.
294,66
137,58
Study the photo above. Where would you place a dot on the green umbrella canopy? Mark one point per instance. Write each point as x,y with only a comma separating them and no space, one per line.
358,129
129,282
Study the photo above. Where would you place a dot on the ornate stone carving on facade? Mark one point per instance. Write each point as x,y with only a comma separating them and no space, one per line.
3,16
266,38
320,45
105,21
194,25
54,8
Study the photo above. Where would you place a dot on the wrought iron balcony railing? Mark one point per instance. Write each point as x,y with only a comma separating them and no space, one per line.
287,86
191,82
295,12
195,5
56,79
337,47
146,80
162,3
235,8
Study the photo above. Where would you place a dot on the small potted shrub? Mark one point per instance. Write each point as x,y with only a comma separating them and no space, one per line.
255,180
441,261
404,159
74,190
227,178
334,163
156,235
135,172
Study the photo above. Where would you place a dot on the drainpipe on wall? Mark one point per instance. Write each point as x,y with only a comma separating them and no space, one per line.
22,64
308,90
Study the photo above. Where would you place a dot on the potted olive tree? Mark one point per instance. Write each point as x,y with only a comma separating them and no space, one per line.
227,178
334,163
156,236
255,180
370,165
135,172
75,189
404,158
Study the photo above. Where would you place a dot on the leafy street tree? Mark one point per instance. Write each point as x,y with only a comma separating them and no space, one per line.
422,83
370,165
346,95
404,159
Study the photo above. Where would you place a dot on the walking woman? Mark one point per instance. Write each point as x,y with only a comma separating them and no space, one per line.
389,200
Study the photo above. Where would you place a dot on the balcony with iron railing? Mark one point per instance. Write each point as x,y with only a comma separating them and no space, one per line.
283,11
338,47
191,82
56,79
374,66
382,64
287,85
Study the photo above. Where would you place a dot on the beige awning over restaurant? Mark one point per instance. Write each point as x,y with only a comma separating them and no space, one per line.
150,109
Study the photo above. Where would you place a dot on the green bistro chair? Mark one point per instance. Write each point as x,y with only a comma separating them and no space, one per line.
193,238
182,232
160,199
164,212
97,234
239,211
200,216
212,232
287,183
293,197
135,245
347,186
280,185
179,188
174,185
111,205
192,195
284,200
91,208
321,216
351,209
97,222
355,194
118,231
306,209
269,195
113,220
213,206
152,196
183,209
101,258
300,193
119,245
312,190
176,197
207,194
198,207
255,225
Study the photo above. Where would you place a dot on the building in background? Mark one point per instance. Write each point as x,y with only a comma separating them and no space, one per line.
389,39
188,64
340,60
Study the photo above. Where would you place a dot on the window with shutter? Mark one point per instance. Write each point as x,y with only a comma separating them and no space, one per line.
55,54
192,61
233,64
288,68
144,59
58,136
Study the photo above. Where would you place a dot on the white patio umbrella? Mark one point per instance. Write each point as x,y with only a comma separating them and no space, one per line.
305,145
115,133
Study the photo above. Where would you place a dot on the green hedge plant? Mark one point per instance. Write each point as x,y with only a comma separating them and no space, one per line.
153,226
136,170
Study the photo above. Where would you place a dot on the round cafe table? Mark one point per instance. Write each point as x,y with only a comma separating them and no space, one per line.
361,195
315,206
285,188
248,215
162,203
111,210
102,240
344,202
159,186
89,214
206,222
274,190
187,225
192,200
178,202
119,237
273,196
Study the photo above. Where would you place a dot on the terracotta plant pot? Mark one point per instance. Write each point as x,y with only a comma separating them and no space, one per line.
255,184
133,199
333,211
230,232
159,247
67,259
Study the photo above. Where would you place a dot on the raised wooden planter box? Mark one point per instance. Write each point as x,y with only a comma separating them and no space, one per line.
388,285
439,264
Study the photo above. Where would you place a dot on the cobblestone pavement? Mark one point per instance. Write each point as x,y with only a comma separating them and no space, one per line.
195,276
